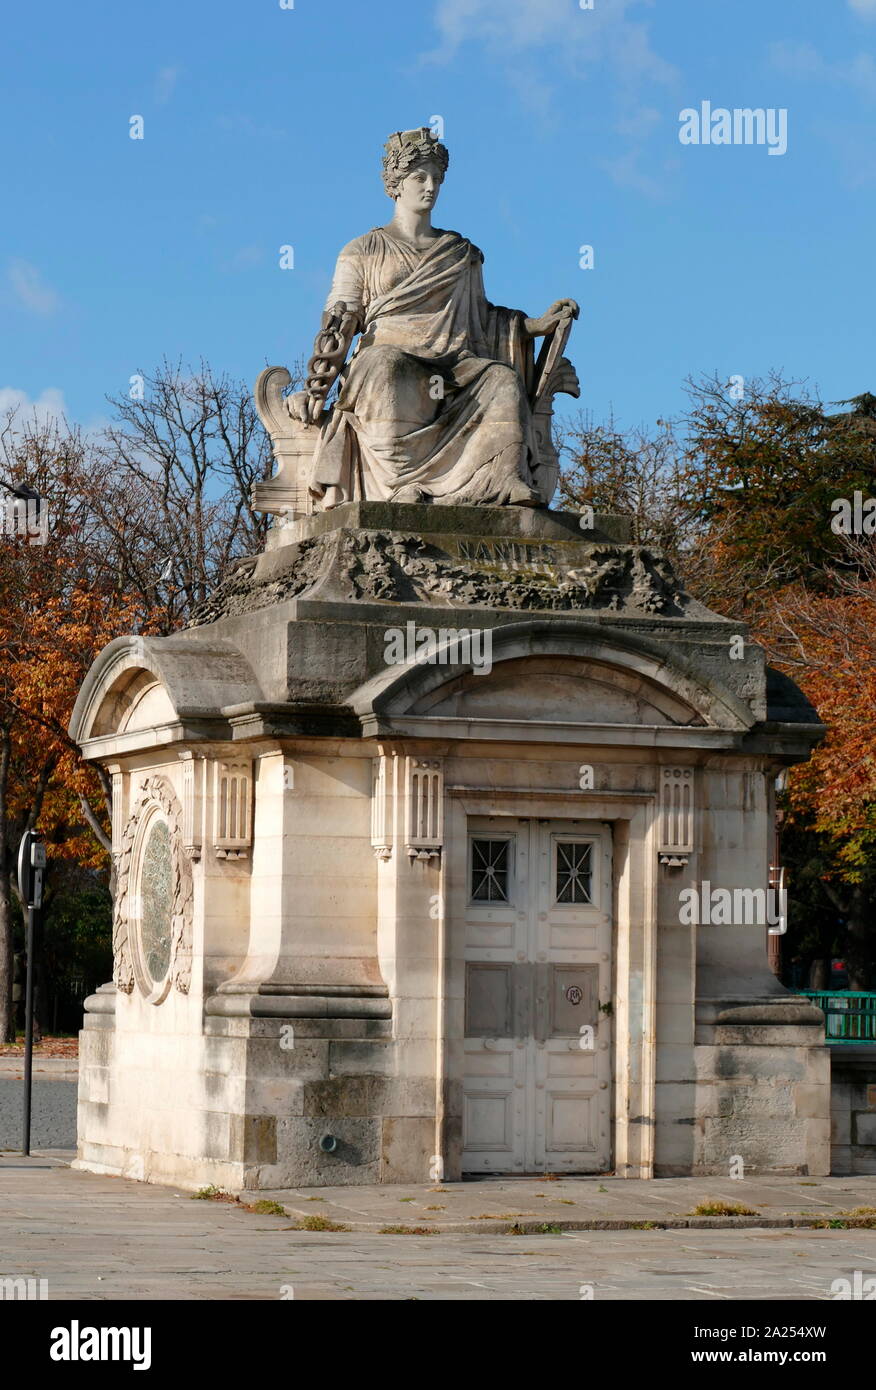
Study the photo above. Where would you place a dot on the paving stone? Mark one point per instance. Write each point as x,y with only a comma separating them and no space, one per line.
98,1238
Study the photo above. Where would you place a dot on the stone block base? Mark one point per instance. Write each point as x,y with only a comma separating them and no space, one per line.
262,1103
759,1093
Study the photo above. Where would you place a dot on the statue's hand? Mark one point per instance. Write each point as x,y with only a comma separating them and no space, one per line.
304,407
560,312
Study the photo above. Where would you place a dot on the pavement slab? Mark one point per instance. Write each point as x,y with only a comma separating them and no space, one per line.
101,1238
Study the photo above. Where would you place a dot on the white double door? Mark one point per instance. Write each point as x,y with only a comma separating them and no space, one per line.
536,1088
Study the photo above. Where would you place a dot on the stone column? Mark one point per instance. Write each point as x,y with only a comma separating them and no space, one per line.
311,944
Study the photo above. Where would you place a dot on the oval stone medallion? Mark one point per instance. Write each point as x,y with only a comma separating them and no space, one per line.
156,898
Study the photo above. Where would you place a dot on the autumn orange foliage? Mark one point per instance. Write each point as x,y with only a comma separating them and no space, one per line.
48,648
828,644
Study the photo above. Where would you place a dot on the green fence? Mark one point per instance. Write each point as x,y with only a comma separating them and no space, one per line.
849,1014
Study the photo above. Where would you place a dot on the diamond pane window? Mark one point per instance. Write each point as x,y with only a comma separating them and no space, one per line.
573,872
489,870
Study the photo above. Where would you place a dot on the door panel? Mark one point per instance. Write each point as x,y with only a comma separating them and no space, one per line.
489,997
571,1123
538,939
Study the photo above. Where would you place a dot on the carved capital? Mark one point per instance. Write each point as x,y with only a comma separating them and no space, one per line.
192,804
382,805
424,807
676,809
232,808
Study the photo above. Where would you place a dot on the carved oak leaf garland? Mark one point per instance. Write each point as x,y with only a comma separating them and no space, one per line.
155,791
403,568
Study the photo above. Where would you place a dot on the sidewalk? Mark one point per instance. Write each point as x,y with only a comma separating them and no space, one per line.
99,1238
524,1205
528,1205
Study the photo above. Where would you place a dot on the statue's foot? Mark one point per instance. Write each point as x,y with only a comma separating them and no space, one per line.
523,496
411,494
332,497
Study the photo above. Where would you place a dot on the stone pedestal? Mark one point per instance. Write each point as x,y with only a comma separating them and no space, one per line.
308,986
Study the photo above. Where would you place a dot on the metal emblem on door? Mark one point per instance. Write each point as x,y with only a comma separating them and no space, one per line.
574,994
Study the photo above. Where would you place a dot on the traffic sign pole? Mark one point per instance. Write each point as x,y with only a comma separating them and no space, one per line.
28,1031
31,865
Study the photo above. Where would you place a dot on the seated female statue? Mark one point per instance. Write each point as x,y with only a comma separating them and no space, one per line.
435,404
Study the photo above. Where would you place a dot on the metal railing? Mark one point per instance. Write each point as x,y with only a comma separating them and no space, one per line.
849,1014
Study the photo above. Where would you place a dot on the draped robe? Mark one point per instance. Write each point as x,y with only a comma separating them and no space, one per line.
433,403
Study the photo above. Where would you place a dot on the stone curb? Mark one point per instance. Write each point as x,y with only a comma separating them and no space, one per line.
475,1226
56,1068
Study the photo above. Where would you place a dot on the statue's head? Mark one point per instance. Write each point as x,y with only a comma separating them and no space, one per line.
414,161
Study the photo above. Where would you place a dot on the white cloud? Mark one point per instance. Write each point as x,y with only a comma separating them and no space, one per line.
639,122
30,288
852,147
245,258
165,84
582,37
534,94
244,125
867,8
797,58
804,60
861,72
536,42
47,407
626,172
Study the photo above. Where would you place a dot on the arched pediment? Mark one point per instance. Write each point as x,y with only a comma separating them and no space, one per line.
561,688
555,672
137,701
140,683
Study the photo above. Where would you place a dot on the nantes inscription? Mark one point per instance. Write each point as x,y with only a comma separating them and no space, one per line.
509,555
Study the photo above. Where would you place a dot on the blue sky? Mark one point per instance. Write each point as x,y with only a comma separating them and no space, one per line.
264,127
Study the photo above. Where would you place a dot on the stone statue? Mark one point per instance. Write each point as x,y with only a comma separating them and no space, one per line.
443,399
